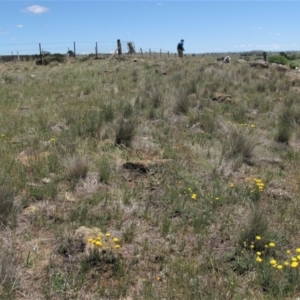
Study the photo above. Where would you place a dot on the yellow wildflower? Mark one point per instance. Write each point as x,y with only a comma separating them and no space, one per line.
286,263
217,198
258,253
252,125
98,243
279,267
107,234
298,250
158,278
194,196
273,262
231,185
294,264
117,246
288,251
258,237
258,259
90,240
252,246
294,259
272,244
115,240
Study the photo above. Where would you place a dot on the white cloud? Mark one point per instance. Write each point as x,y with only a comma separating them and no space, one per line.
278,34
19,26
275,46
37,9
5,32
159,4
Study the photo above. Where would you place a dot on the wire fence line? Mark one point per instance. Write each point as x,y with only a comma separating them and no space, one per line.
16,51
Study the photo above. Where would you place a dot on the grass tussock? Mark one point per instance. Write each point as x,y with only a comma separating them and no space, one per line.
76,167
6,199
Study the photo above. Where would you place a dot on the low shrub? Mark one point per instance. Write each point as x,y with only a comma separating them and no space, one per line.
278,59
294,65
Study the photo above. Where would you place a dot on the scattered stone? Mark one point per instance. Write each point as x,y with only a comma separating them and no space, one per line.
259,64
59,127
280,67
219,97
46,180
69,197
144,166
241,61
31,209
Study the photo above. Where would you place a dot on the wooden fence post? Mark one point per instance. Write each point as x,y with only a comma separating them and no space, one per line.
41,57
160,53
74,50
168,53
150,51
141,51
119,47
96,50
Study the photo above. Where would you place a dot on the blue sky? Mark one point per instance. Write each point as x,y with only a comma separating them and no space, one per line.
206,26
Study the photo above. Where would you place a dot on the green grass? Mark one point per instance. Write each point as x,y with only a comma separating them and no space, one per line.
213,176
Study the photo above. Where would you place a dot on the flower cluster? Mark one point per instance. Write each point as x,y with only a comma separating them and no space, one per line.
98,241
259,184
246,125
292,261
193,195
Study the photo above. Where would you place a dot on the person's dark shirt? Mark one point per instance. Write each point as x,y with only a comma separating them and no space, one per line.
180,46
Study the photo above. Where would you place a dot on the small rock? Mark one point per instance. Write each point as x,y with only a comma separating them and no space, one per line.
31,209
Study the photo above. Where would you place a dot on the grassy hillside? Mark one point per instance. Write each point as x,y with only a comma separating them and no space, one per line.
149,179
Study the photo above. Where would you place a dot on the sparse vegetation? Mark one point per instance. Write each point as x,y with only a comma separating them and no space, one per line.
182,177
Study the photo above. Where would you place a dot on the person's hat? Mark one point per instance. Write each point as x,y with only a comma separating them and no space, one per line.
182,40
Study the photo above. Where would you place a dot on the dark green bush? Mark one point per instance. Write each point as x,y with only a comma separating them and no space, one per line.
294,65
278,59
48,59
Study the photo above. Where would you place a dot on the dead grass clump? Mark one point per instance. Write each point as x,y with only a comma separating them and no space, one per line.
125,132
182,102
6,199
239,143
257,225
76,167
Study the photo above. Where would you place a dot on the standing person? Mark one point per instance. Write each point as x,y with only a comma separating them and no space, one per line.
180,48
